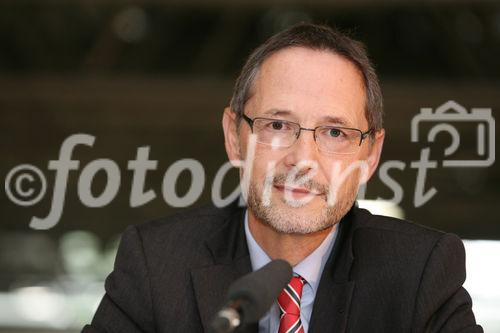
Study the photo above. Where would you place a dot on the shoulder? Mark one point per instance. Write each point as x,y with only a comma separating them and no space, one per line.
387,224
395,229
410,272
196,223
396,243
180,240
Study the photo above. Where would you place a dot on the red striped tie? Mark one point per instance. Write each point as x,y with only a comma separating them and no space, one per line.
289,303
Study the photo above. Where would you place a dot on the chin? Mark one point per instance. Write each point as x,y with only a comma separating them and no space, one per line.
287,217
284,218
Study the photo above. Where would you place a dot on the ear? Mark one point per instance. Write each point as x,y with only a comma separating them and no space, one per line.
374,152
231,138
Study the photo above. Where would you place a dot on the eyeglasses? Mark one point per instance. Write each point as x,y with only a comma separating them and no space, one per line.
283,133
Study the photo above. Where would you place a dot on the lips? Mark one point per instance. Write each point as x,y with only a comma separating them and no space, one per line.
296,190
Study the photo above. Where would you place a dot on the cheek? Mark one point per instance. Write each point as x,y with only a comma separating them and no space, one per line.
264,162
346,171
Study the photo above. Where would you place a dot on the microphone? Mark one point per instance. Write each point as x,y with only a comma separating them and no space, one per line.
251,296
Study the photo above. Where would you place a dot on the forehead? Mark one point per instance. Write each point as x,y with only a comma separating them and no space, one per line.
309,85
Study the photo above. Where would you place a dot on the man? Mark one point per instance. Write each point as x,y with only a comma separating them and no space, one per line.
306,117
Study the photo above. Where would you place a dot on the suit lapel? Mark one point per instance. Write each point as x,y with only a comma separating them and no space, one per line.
231,260
334,294
210,285
331,308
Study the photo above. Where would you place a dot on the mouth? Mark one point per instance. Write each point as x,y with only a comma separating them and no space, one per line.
296,191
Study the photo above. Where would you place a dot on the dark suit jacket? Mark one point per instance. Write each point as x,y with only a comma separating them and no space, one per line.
383,275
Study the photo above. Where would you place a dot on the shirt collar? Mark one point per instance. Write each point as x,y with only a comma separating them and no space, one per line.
310,268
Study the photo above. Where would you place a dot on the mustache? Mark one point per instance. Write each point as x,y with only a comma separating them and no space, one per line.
309,184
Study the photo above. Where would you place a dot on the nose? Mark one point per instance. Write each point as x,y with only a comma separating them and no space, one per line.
304,149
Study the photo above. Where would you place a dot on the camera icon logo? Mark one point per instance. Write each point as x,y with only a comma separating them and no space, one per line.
452,112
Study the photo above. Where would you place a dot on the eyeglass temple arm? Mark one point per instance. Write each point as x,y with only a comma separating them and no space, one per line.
364,135
248,119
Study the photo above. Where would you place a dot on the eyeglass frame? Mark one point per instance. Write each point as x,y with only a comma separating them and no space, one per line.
362,134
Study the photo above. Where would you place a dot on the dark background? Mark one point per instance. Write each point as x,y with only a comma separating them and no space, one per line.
159,73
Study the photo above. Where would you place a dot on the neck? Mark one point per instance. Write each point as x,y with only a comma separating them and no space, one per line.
290,247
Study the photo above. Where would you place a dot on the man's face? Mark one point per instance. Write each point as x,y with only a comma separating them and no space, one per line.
312,88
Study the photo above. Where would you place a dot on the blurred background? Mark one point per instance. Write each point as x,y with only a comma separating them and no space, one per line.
158,74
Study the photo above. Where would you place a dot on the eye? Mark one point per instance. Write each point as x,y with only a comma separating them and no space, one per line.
277,125
334,132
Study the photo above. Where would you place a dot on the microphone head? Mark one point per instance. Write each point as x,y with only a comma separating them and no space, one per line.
258,290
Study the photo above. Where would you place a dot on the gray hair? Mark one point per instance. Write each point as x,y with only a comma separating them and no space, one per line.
315,37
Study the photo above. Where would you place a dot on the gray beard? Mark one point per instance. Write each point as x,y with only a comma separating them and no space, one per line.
284,219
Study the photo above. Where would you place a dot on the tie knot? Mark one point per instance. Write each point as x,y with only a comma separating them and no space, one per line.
289,304
289,299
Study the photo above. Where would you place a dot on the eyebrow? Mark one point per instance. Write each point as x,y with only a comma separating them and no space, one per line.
325,119
335,120
277,112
